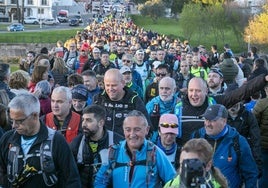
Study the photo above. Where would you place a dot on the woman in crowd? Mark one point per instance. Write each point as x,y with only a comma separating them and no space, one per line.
60,72
39,73
199,149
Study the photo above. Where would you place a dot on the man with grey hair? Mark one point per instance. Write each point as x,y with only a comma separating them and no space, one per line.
135,161
62,118
27,152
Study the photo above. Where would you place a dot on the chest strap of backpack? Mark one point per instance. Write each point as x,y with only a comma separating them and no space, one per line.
149,162
46,162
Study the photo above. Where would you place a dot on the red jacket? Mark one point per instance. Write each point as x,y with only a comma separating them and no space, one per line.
72,126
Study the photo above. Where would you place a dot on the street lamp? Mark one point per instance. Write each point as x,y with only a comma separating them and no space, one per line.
249,43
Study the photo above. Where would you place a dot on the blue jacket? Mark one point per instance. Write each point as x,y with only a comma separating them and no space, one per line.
162,170
164,106
246,171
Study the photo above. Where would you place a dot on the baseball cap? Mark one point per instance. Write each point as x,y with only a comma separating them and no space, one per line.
156,64
140,51
124,69
168,123
216,70
80,92
96,50
215,112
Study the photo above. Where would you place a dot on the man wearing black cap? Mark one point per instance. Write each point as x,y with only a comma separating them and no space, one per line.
232,154
4,79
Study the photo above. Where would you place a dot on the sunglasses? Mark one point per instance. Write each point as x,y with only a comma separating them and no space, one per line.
124,60
161,74
167,125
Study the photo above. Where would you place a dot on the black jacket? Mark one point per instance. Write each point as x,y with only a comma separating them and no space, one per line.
65,166
116,111
91,160
190,115
246,124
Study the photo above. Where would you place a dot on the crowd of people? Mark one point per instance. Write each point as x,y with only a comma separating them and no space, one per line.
119,105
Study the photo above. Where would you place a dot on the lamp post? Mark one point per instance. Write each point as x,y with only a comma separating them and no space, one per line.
249,43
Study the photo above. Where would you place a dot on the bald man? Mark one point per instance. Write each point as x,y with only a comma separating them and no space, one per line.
194,104
118,100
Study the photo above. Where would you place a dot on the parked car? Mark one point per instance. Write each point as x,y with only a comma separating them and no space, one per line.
79,18
73,22
15,27
31,20
50,21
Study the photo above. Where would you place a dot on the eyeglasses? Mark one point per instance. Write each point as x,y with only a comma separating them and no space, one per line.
125,60
161,74
171,125
72,46
19,122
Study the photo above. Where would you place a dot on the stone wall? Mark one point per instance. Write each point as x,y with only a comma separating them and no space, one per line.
19,50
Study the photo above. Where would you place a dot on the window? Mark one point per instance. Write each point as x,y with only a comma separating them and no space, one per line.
14,1
40,11
30,2
44,2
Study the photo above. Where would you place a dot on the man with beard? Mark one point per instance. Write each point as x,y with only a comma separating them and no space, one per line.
165,102
90,149
215,82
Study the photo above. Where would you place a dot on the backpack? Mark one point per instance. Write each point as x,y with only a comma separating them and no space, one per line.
150,160
46,161
72,63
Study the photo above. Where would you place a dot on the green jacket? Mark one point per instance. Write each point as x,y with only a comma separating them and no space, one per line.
174,183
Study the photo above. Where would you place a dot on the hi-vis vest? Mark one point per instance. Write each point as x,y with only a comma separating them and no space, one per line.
69,132
48,171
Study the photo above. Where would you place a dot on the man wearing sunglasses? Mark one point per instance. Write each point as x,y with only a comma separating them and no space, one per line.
151,91
138,162
166,141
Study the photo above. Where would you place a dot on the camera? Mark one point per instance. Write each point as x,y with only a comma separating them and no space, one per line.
192,174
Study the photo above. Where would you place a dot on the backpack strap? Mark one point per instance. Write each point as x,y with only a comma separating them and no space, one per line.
111,137
236,146
12,166
46,159
149,162
80,150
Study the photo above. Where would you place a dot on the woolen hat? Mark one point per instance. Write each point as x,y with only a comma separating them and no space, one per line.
217,71
215,112
80,92
166,122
